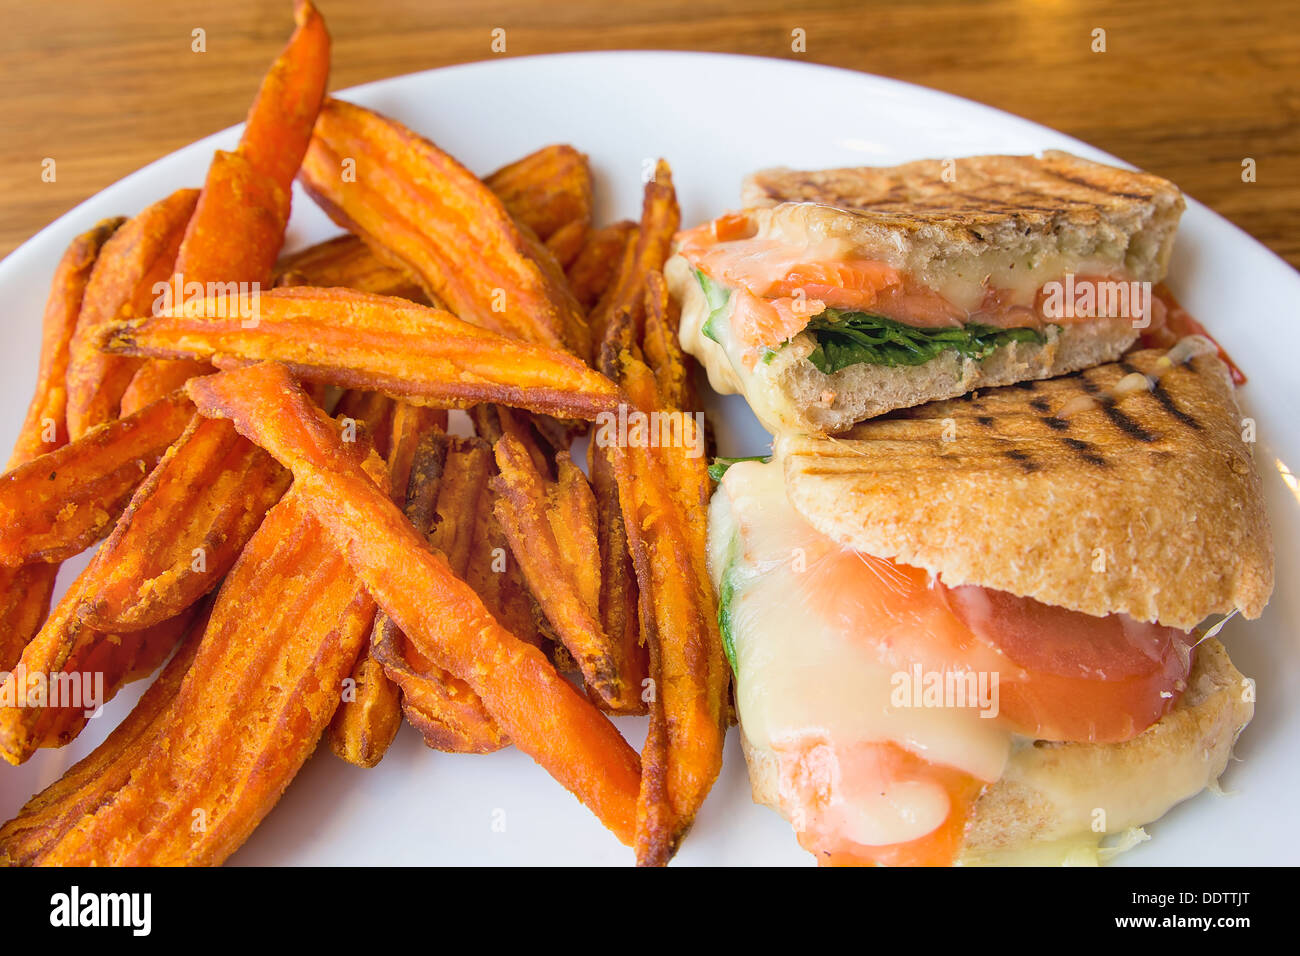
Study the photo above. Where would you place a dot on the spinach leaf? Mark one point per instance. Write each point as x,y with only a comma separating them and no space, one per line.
856,338
717,296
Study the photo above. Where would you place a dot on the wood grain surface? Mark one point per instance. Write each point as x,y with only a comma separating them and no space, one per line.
1185,88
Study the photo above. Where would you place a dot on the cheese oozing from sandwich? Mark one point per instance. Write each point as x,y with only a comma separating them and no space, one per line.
890,701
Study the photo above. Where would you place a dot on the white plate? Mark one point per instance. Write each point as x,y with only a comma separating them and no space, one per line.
715,118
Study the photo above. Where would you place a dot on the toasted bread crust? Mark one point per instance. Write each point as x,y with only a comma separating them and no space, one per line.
1148,504
960,209
1051,791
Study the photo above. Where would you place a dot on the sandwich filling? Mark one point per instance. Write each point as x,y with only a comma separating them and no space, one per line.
889,700
764,288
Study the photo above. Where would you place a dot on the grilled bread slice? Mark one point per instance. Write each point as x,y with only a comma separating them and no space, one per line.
1084,492
1043,809
964,214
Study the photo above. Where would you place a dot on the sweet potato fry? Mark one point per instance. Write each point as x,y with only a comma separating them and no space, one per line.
183,529
363,727
45,427
140,254
542,435
663,353
411,423
541,712
567,241
233,237
599,261
280,119
345,261
546,190
25,594
519,427
238,226
373,410
355,340
573,520
660,217
25,591
664,495
367,721
93,781
67,653
414,205
285,632
551,528
447,713
619,617
54,506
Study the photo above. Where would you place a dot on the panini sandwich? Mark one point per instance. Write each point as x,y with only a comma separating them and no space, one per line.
967,632
841,294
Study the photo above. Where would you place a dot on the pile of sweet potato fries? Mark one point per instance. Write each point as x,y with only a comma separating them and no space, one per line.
305,573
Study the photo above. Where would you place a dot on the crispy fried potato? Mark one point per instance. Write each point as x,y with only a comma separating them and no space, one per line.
365,724
56,505
442,707
285,632
567,241
64,649
347,262
374,411
619,616
183,529
45,427
599,261
664,495
660,218
540,711
140,254
551,527
663,353
25,591
238,225
547,190
414,205
25,595
93,781
410,426
355,340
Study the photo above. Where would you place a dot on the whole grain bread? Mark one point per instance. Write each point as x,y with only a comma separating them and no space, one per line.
816,402
1050,792
1147,504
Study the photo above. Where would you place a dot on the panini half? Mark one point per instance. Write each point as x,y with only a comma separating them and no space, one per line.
966,632
839,295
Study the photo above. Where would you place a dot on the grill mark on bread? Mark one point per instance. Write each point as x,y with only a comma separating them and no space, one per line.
1092,187
1161,395
1126,424
1039,405
1022,459
1055,424
1085,452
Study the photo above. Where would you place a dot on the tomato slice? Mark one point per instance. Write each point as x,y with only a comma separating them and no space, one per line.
1096,679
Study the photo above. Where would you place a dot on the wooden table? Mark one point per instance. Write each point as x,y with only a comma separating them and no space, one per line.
1185,88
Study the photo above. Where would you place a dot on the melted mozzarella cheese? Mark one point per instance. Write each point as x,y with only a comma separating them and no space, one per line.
805,676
